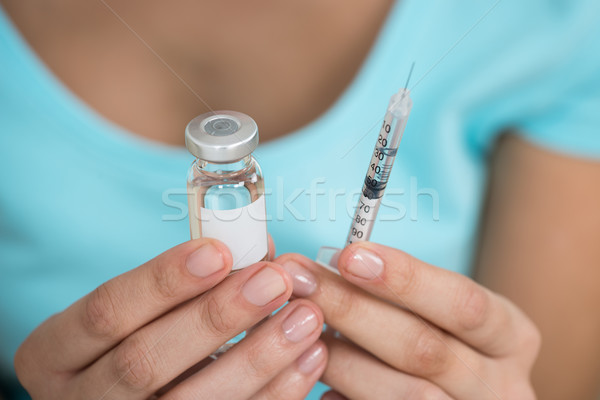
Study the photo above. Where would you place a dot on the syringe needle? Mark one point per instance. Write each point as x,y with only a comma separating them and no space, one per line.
412,67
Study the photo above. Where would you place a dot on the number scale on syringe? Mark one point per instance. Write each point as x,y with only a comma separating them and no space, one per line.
380,167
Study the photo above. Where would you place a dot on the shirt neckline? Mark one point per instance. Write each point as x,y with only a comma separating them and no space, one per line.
108,135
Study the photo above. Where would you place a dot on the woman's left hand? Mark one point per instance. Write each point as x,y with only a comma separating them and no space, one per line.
412,330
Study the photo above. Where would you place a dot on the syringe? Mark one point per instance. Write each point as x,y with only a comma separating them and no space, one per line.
377,177
380,166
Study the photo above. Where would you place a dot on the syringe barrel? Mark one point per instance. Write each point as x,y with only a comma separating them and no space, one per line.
380,167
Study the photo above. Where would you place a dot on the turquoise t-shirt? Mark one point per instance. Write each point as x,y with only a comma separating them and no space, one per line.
82,200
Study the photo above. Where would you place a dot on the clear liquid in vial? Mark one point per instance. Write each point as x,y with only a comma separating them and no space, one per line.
230,186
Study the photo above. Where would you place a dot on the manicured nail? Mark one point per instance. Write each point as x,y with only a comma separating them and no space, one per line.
365,264
299,324
311,359
264,287
205,261
304,281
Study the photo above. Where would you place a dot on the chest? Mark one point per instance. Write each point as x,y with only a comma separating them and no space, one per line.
287,65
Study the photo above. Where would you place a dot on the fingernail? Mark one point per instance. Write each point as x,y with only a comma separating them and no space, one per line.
365,264
311,359
205,261
299,324
263,287
304,281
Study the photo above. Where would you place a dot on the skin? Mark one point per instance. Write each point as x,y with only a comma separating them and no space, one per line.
130,337
535,266
540,249
96,56
466,343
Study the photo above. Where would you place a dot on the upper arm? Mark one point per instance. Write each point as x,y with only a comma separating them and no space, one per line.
540,247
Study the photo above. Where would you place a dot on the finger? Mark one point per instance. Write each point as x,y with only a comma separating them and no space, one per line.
470,312
467,310
398,337
182,377
159,352
333,395
256,360
296,381
271,253
358,375
74,338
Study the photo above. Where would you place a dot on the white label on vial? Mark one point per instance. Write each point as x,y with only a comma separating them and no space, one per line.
243,230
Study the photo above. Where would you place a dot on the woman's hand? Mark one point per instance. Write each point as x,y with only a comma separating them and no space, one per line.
413,331
144,333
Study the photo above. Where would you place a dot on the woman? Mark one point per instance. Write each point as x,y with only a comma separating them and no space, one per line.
497,177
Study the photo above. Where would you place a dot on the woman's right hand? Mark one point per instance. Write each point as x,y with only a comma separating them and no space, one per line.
144,333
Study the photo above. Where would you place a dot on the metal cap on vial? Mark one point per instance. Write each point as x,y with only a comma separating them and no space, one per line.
221,136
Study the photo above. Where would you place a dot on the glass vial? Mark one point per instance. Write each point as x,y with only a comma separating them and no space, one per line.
226,193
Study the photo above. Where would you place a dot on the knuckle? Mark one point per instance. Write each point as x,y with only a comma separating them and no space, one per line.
429,353
473,308
166,280
100,317
134,365
345,305
255,368
407,270
259,366
214,318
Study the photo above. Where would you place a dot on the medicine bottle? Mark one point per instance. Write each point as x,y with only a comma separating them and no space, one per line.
226,193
